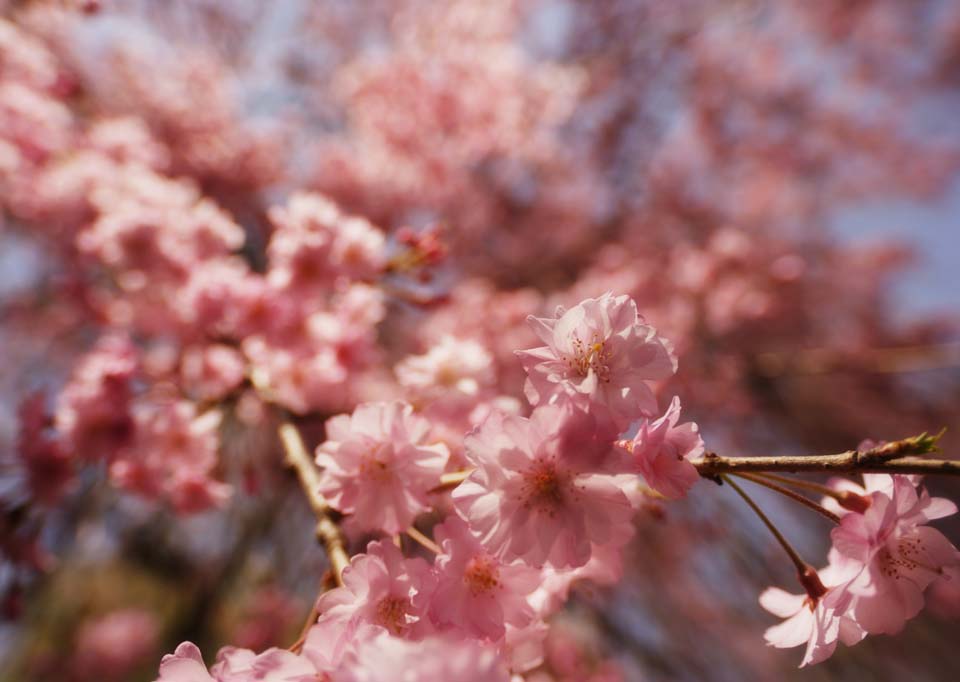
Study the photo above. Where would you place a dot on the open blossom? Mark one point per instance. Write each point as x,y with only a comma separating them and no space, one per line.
381,590
172,456
236,665
661,451
602,355
453,367
530,498
820,623
436,659
476,592
378,465
898,557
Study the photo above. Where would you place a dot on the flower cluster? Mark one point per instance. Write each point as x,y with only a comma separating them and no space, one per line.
883,559
549,500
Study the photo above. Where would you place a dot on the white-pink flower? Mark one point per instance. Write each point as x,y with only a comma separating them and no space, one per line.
378,465
531,498
436,659
454,368
601,354
662,451
476,592
820,623
236,665
897,555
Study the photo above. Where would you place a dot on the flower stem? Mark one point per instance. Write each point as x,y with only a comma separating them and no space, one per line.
796,497
800,564
424,540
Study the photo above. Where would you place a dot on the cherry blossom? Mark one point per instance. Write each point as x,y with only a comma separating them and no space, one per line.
381,590
531,499
172,455
450,368
661,450
235,665
899,556
379,464
93,414
389,659
818,623
476,592
601,354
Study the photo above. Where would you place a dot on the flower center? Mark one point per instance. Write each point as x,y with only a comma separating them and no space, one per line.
592,355
481,575
905,557
373,468
543,486
392,614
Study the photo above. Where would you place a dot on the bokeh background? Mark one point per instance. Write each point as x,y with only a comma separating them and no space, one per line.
777,184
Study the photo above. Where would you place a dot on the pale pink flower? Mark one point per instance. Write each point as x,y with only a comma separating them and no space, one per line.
898,556
452,368
662,451
436,659
379,464
532,497
236,665
476,592
381,590
601,354
820,623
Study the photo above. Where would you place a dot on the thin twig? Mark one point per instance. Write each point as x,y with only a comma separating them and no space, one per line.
328,532
424,540
796,497
893,458
787,547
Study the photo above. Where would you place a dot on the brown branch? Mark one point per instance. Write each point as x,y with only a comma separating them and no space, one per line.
891,458
328,532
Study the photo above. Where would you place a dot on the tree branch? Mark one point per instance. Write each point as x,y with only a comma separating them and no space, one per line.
328,532
891,458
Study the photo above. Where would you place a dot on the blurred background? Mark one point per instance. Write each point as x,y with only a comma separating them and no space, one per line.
777,184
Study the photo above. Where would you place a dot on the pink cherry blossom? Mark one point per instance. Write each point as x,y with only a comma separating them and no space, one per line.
379,464
236,665
601,354
452,368
661,452
897,555
211,372
172,456
314,243
93,414
381,590
440,658
530,498
476,592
